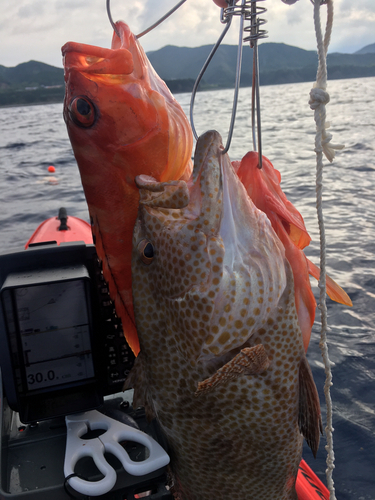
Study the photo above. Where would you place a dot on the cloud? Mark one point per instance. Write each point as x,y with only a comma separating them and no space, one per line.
356,21
28,10
294,18
35,29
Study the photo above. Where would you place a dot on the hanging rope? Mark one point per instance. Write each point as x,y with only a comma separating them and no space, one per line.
319,97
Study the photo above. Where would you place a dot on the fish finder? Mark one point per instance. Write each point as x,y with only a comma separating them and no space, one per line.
62,346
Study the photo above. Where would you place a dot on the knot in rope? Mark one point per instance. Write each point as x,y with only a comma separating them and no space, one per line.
318,100
326,147
318,97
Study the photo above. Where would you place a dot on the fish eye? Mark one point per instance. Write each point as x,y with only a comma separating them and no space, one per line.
146,251
82,111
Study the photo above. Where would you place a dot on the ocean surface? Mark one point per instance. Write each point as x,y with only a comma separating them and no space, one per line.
32,138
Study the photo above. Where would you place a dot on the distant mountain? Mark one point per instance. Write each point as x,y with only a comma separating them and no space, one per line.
32,73
172,62
31,83
36,82
278,63
369,49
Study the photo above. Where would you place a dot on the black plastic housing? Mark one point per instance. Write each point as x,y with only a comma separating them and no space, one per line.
112,359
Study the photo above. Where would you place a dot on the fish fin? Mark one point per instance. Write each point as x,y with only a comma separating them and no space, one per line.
249,361
291,219
304,297
137,380
263,187
309,417
334,291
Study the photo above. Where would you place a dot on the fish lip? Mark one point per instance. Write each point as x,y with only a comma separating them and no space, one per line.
95,51
90,60
85,49
99,61
214,137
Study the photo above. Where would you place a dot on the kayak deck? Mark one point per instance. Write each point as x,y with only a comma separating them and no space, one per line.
61,229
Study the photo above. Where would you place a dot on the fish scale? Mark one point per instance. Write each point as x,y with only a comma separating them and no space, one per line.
222,364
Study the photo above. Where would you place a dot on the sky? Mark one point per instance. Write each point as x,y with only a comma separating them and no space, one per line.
36,29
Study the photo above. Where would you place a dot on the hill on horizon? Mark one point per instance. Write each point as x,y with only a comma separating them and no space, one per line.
173,62
369,49
31,73
278,63
37,82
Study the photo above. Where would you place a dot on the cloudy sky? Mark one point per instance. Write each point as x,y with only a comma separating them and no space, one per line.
36,29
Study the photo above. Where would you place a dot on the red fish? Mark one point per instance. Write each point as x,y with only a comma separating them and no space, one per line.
263,187
122,121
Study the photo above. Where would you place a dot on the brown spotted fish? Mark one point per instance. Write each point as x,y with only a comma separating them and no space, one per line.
222,363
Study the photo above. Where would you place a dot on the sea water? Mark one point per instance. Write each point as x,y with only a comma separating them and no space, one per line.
32,138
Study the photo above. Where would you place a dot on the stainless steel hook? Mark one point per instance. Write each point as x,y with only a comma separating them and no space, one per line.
248,11
110,18
163,18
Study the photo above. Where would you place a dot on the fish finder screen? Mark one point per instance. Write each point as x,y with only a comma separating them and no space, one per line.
55,333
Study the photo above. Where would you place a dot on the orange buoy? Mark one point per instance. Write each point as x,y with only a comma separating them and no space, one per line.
51,168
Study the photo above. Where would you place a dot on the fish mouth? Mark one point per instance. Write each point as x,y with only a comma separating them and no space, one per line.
120,59
96,60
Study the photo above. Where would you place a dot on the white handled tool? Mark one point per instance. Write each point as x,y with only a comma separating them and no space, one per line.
115,432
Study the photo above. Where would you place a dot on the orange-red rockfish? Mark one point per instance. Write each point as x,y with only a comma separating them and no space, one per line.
263,187
222,362
122,121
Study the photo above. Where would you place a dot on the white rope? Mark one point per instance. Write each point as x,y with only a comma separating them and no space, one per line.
318,100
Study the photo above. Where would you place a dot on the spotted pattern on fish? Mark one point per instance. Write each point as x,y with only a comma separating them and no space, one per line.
222,364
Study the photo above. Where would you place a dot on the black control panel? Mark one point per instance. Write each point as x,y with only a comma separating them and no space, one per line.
119,358
62,345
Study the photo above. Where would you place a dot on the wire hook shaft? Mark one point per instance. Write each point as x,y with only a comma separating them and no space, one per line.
200,76
110,18
163,18
248,10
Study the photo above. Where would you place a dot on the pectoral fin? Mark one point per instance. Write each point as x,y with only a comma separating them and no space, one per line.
334,291
309,417
250,361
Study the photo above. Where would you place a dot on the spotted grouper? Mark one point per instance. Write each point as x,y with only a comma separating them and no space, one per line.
222,364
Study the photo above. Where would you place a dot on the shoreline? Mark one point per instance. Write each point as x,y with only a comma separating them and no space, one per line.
206,88
20,105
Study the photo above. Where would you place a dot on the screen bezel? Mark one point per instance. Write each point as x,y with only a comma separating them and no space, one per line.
34,346
30,266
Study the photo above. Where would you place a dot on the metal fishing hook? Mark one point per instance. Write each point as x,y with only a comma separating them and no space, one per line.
255,34
163,18
110,18
248,11
201,73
